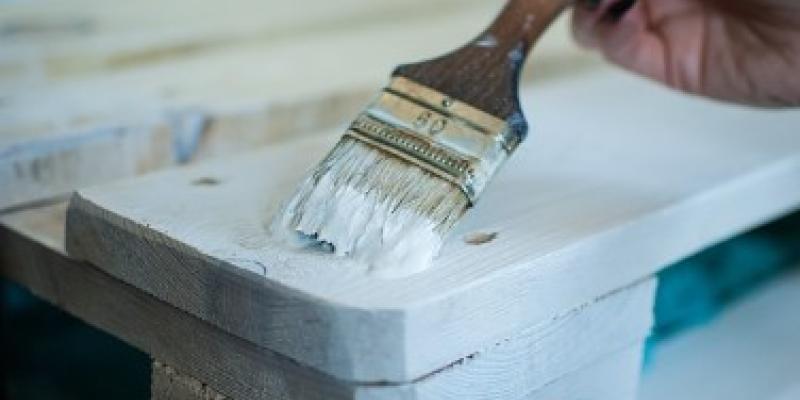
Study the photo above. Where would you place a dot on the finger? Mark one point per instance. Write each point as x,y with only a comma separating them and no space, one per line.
584,18
618,29
594,19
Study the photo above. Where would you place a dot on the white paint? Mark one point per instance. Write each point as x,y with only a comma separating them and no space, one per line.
381,211
619,178
487,40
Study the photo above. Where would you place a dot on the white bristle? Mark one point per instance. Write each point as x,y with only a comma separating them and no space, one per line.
373,207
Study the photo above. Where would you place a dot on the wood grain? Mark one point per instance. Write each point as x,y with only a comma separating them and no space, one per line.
240,369
168,384
595,203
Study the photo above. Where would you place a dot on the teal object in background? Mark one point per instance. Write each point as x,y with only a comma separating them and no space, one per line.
694,291
48,354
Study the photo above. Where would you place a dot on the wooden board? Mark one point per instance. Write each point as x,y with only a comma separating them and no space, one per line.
619,179
31,254
529,360
751,352
614,377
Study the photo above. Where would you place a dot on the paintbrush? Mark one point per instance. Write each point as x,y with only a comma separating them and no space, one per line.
423,152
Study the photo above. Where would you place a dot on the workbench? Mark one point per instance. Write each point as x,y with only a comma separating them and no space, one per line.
152,224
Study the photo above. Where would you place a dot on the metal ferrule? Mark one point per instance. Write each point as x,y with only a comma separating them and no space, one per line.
446,137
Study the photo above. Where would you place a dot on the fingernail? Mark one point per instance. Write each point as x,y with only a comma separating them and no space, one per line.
618,10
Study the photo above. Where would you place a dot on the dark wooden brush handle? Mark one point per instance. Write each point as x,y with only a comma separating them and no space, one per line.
485,73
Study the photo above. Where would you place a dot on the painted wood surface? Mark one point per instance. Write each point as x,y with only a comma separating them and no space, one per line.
531,359
751,352
613,378
620,179
191,90
31,254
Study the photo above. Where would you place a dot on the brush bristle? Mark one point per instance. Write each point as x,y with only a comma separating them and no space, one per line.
374,207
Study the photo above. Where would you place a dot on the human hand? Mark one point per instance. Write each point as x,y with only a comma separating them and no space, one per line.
745,51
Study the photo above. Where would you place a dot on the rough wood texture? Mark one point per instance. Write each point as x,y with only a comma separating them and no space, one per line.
609,192
31,254
168,384
751,352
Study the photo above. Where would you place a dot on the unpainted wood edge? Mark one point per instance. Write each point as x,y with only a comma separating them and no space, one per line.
168,384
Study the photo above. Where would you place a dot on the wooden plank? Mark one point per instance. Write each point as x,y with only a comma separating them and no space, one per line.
751,352
615,377
506,370
606,193
590,205
43,168
530,359
168,384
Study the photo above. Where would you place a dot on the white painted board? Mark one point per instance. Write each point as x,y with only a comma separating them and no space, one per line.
618,179
532,359
535,360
